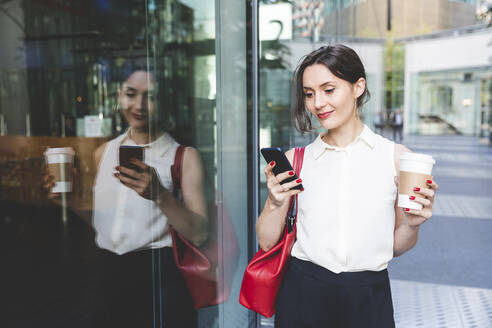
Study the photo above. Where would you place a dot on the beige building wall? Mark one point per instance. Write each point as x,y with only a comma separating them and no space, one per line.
409,17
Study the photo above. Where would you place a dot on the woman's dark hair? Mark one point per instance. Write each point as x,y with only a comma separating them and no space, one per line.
343,62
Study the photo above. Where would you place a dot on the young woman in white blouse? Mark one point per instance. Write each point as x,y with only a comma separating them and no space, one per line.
348,224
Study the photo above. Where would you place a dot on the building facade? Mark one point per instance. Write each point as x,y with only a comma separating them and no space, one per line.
376,18
447,83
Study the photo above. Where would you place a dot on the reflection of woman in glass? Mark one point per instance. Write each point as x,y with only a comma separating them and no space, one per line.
133,212
348,225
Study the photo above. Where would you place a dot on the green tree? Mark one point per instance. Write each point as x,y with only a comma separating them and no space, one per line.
395,73
395,65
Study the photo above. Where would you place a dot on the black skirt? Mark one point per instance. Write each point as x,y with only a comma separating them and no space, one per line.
312,296
145,289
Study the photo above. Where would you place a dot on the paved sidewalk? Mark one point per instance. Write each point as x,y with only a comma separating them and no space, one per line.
427,305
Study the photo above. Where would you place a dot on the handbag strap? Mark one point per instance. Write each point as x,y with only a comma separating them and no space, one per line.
176,170
298,161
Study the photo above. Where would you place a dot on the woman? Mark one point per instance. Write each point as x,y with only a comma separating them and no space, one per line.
348,224
132,213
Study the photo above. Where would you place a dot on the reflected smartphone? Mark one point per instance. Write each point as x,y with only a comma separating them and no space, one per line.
128,152
282,163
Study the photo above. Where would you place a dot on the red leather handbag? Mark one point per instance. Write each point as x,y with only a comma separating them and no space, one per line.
209,269
264,273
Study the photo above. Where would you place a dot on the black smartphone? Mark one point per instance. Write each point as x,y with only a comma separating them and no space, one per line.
282,164
126,153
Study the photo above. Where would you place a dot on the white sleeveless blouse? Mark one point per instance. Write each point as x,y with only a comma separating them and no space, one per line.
346,215
124,221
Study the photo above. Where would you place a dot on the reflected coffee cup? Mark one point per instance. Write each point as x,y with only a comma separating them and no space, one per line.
60,162
415,170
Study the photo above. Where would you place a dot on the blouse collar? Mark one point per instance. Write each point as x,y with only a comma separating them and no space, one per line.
161,144
367,136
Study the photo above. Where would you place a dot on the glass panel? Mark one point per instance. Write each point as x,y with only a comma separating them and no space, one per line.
449,102
234,153
151,74
305,26
280,54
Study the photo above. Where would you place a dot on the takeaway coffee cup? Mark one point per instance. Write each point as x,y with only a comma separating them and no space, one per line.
60,161
415,170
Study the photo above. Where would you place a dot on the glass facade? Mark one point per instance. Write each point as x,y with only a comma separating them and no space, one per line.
82,74
471,2
450,102
336,5
114,80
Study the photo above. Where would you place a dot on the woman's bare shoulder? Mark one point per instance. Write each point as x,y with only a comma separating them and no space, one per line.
400,149
98,153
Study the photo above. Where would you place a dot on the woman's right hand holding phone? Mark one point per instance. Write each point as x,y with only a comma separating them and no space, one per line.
271,222
280,194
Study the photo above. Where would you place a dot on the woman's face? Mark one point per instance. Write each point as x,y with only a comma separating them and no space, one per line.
329,98
136,99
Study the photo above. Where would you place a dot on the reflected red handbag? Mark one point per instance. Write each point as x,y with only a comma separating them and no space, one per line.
207,270
264,273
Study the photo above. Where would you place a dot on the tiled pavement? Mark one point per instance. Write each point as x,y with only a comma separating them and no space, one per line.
471,207
446,280
440,306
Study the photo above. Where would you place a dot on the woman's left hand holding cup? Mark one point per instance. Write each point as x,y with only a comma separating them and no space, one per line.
426,197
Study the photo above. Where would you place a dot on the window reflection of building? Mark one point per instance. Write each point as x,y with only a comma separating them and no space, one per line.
56,62
308,19
373,19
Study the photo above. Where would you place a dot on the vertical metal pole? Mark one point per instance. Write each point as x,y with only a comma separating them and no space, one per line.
2,126
388,16
64,209
63,125
339,21
255,120
28,125
219,116
255,114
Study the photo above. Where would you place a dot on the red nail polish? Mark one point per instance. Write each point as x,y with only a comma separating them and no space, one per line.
416,189
299,180
302,189
116,174
272,163
412,197
291,173
429,181
407,209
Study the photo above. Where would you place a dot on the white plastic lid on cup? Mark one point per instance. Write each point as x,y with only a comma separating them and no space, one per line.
415,162
59,155
63,150
418,157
